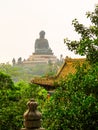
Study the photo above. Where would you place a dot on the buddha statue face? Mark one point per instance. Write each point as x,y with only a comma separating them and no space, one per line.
42,34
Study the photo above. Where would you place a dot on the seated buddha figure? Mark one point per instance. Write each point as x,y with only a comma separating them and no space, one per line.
42,46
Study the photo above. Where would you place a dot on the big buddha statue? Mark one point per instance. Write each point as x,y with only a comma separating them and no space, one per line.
42,45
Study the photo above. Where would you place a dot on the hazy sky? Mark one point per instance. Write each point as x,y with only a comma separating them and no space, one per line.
22,20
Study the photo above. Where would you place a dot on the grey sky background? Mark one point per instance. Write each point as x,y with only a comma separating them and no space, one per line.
22,20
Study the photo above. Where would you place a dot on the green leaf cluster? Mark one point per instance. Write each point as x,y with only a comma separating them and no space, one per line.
74,105
13,100
88,37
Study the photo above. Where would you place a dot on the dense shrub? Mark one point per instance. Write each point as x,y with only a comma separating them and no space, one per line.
13,100
74,105
9,97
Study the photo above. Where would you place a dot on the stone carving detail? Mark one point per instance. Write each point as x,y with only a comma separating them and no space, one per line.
42,45
32,117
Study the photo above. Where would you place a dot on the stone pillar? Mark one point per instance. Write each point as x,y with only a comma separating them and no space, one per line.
32,117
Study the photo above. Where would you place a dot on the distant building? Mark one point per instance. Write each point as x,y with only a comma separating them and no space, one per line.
42,54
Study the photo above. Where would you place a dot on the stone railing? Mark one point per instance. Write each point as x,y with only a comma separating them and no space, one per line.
32,117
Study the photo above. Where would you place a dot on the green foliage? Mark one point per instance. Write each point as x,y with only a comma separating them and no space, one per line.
9,97
7,80
89,37
28,91
74,105
13,100
79,98
26,73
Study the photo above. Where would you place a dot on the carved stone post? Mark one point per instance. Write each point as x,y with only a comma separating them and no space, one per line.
32,117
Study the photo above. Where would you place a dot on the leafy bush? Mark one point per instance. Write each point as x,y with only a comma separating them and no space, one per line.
9,97
13,100
74,105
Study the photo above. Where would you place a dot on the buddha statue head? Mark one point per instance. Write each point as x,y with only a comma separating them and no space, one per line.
42,34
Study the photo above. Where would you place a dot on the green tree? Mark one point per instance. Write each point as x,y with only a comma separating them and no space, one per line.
13,100
89,37
9,97
74,105
28,91
26,73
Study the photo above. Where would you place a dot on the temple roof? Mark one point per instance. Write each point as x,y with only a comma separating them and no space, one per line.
51,83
